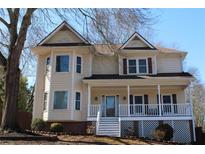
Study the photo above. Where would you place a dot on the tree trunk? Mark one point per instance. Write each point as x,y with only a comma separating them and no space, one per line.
11,91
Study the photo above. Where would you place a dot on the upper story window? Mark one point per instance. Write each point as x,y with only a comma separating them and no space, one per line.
48,61
62,63
136,66
132,64
60,100
78,64
142,65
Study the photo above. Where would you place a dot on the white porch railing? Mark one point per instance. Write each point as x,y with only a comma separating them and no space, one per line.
147,110
94,110
153,110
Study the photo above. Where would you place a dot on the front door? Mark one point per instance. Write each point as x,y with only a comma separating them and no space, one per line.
110,106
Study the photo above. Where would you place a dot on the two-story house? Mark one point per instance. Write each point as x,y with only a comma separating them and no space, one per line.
114,88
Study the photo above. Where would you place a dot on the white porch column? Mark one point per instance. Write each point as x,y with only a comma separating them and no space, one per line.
159,99
128,99
190,101
89,99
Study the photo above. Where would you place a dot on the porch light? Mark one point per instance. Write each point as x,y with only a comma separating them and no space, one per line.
124,98
96,98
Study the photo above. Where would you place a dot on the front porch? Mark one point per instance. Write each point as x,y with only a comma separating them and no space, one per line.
134,102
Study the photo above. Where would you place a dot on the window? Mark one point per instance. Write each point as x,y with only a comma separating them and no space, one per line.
48,61
132,66
78,65
62,63
142,66
77,101
60,99
45,100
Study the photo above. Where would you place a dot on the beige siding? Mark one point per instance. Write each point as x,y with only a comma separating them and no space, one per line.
97,92
169,63
136,43
105,64
64,37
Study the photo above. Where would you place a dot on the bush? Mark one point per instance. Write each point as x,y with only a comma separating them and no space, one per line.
56,127
163,132
38,124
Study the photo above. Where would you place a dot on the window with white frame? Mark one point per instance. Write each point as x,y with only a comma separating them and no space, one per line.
60,100
142,63
132,64
136,66
78,64
45,100
48,61
62,63
77,101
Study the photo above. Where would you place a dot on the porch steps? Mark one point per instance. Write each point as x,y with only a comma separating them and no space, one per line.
109,127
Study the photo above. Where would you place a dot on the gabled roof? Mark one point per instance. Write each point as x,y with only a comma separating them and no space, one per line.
62,25
150,46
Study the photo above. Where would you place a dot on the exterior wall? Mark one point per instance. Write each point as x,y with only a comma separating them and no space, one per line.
69,81
39,88
136,43
105,64
169,63
64,37
137,54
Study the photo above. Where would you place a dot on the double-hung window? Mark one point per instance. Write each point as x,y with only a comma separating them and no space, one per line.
77,101
62,63
78,64
142,63
132,66
136,66
48,61
60,100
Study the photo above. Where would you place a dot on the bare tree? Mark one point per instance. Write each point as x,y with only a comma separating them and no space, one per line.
22,28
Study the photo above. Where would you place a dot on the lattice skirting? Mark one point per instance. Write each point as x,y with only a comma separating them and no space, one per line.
183,132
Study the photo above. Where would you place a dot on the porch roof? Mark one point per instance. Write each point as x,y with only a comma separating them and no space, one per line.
117,76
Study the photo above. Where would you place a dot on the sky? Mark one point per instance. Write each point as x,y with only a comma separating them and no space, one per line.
183,29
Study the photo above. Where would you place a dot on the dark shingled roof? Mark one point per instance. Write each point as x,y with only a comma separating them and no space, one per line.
117,76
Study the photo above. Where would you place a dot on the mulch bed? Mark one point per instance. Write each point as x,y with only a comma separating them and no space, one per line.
27,136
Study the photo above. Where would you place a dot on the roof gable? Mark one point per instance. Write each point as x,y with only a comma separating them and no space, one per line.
63,35
136,41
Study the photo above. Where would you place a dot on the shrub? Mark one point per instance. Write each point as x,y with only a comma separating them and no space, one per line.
38,124
56,127
163,132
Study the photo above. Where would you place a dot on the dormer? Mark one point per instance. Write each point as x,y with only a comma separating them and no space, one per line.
137,56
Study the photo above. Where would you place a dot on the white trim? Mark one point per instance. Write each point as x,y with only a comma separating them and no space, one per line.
148,118
142,127
128,98
60,26
72,83
89,100
155,64
159,99
69,62
134,35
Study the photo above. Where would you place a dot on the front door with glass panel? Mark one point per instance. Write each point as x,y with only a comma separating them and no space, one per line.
110,106
167,104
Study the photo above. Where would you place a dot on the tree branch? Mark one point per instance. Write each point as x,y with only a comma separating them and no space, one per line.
3,60
4,22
